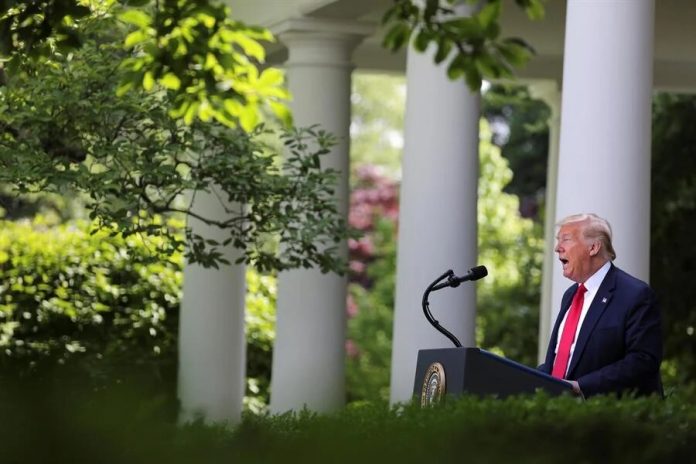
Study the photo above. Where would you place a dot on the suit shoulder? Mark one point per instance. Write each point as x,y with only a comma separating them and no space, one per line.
626,280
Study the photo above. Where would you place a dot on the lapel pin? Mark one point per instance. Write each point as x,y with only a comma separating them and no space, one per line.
604,300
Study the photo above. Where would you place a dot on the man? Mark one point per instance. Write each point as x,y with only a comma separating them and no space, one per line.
607,337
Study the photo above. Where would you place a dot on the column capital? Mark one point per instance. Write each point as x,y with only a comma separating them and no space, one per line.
321,41
329,27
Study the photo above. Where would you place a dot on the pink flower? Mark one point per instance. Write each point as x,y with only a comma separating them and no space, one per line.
352,349
357,267
351,307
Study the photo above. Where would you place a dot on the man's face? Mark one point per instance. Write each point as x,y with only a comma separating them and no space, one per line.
574,252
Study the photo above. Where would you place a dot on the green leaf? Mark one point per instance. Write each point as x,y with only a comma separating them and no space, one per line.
191,112
251,47
135,38
489,14
148,81
282,112
136,17
249,117
205,111
431,7
170,81
457,67
207,20
123,88
516,52
396,36
420,43
473,79
271,77
179,112
443,50
534,8
464,28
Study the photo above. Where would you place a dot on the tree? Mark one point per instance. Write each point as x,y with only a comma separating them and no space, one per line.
207,61
64,127
673,208
520,129
469,44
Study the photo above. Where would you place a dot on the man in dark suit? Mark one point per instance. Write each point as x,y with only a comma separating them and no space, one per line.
607,337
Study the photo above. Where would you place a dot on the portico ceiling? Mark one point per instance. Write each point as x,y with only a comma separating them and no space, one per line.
675,34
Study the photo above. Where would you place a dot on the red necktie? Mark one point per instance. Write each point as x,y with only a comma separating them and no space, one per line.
560,364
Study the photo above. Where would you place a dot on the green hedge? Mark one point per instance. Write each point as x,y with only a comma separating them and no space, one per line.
95,306
522,430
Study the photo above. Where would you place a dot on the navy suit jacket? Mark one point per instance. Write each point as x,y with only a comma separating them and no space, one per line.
619,346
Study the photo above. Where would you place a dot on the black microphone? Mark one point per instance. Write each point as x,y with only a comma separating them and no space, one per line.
475,273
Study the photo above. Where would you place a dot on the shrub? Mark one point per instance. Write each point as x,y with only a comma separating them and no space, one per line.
260,333
98,309
96,305
532,429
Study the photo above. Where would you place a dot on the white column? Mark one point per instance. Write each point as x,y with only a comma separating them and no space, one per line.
212,345
309,354
604,164
548,92
437,217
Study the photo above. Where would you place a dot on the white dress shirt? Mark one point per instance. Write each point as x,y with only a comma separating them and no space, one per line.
592,285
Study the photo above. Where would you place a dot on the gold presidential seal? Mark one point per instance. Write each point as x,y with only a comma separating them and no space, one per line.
434,387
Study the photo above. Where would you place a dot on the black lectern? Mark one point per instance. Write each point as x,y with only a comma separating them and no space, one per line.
453,371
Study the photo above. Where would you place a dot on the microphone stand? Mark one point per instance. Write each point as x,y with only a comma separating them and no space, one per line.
426,306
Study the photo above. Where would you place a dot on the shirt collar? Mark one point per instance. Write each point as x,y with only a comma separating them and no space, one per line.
592,284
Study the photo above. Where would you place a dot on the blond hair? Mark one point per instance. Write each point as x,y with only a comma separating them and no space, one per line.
596,228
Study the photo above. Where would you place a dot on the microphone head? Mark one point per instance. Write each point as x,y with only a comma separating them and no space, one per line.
478,272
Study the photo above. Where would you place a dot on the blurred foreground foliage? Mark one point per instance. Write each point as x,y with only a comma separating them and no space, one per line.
43,425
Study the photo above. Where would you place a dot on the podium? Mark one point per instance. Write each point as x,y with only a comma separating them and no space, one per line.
453,371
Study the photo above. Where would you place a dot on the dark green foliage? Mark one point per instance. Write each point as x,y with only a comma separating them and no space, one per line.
26,26
673,209
520,128
470,45
50,426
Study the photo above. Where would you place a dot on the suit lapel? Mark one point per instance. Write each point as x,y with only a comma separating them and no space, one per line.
599,304
565,305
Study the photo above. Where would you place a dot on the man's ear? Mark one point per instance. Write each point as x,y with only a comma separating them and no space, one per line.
595,247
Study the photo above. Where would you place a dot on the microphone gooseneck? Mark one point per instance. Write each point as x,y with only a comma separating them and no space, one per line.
475,273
